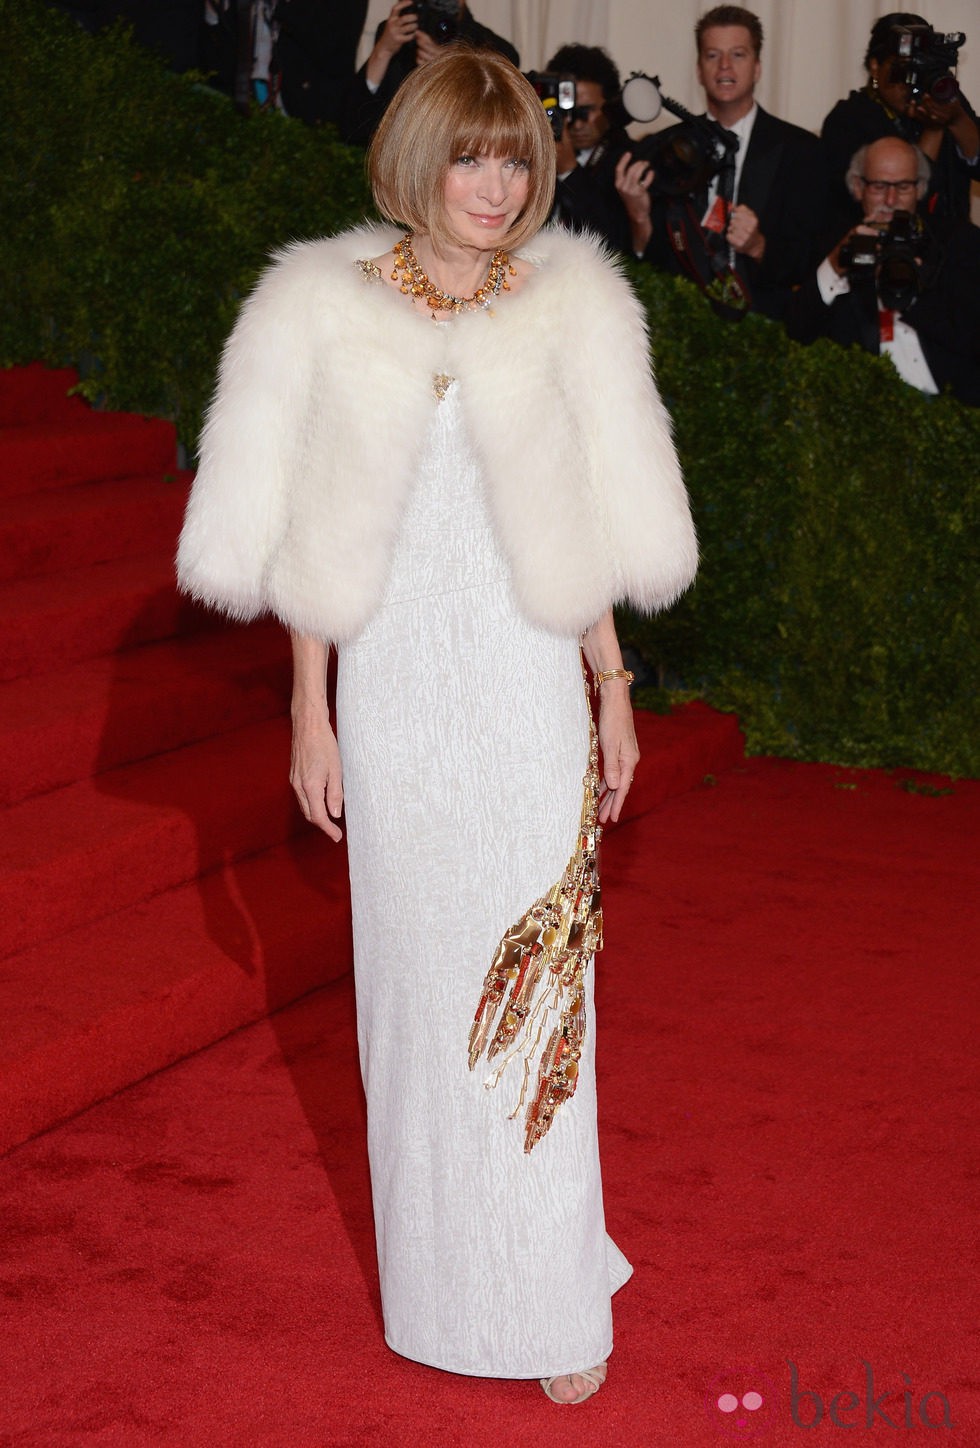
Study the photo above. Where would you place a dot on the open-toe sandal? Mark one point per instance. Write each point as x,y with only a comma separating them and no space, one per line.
593,1378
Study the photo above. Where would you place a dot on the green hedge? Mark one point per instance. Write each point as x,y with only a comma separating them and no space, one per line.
836,605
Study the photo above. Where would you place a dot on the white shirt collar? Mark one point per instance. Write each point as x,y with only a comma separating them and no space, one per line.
742,128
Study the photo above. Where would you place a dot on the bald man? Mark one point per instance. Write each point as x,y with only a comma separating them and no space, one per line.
930,329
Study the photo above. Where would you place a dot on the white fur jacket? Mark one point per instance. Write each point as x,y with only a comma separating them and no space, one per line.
323,402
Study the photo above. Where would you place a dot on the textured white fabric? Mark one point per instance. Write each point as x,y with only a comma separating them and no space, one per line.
464,740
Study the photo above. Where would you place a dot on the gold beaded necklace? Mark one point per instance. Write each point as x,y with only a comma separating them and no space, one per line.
413,281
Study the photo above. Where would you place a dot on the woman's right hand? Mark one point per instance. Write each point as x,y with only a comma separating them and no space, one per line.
315,772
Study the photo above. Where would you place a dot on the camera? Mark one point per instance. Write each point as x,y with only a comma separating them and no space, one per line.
890,259
923,59
438,18
557,94
685,158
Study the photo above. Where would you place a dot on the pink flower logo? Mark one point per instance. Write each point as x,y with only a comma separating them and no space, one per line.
741,1401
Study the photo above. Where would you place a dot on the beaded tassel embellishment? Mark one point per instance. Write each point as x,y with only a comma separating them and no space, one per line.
542,961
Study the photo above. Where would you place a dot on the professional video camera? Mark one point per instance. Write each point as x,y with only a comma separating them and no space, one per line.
557,94
890,259
685,158
924,60
439,18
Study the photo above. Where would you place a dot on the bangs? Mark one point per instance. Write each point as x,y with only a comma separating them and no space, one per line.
495,128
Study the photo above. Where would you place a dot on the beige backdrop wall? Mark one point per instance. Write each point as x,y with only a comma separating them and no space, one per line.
812,54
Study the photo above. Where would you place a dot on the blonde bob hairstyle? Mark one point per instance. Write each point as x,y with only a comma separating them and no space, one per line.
465,102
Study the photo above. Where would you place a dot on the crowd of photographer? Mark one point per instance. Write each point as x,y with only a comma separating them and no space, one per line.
911,92
820,233
861,234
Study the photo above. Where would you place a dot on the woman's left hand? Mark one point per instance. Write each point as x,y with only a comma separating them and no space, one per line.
617,742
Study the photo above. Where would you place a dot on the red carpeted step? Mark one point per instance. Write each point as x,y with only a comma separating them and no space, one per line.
97,445
97,715
86,851
46,623
38,394
111,1002
66,528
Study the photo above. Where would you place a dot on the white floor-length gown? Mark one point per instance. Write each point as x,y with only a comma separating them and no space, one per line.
464,738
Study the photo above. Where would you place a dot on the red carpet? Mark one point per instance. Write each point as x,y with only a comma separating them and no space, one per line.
788,1006
787,1050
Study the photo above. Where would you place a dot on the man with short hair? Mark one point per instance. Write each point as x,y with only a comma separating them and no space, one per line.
591,144
758,220
925,313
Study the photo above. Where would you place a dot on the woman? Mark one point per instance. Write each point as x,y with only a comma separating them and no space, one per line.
945,131
443,452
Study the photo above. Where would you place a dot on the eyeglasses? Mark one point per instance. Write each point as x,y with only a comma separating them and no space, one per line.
878,188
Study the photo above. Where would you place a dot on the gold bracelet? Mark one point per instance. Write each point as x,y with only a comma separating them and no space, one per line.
604,674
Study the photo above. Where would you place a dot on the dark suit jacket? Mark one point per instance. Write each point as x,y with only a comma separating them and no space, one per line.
783,181
945,315
315,54
362,111
587,199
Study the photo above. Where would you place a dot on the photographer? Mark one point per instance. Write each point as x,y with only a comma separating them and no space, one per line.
913,293
410,36
896,102
590,145
750,232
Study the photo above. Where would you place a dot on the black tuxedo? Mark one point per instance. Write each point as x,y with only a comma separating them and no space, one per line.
783,182
362,111
945,315
587,200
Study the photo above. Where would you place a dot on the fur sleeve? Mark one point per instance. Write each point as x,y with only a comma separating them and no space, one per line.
635,469
254,426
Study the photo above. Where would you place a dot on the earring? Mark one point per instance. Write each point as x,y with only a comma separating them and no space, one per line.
874,82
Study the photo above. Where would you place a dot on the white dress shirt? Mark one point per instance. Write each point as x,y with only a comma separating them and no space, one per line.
904,347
